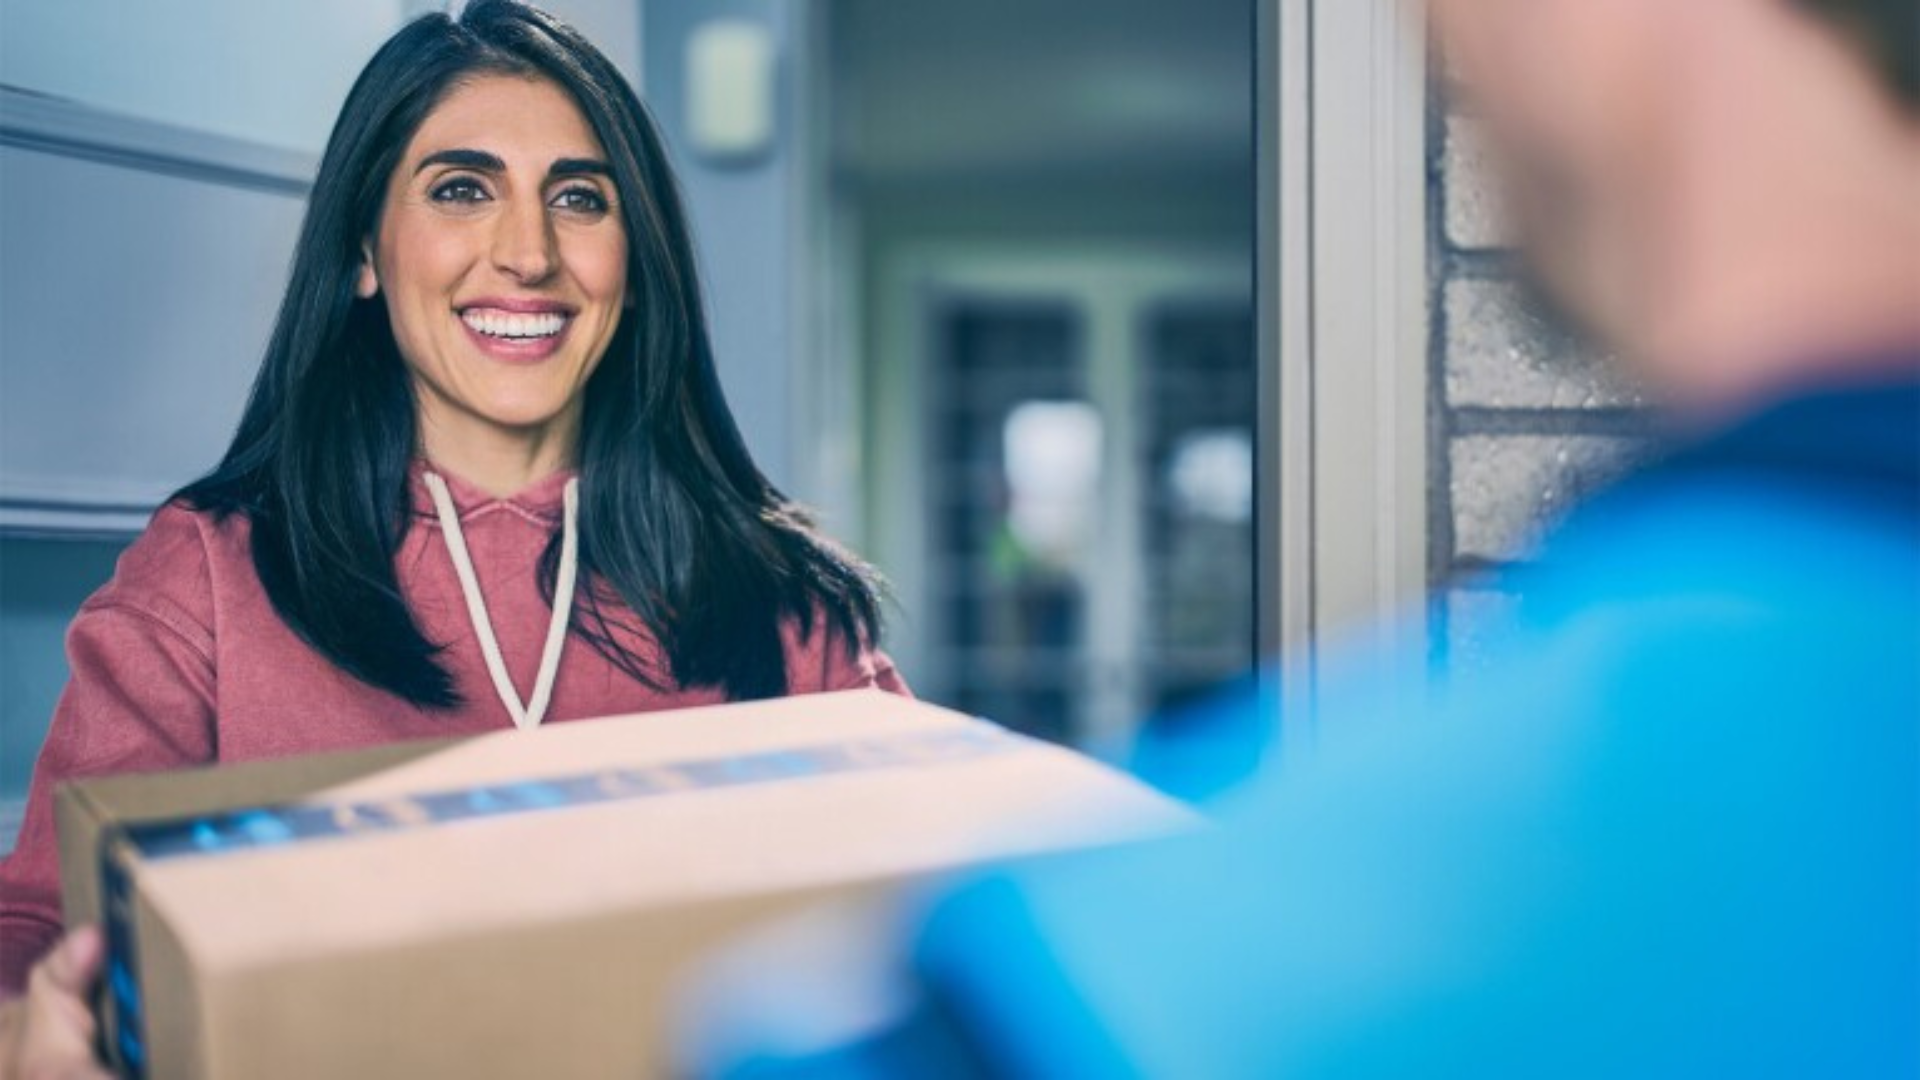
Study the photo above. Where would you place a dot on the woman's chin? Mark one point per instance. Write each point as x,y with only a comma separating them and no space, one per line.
489,422
525,423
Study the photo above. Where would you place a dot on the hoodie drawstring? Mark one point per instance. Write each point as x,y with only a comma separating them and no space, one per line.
528,715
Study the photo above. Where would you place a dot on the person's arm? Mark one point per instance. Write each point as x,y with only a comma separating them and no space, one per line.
823,661
140,699
873,669
1671,837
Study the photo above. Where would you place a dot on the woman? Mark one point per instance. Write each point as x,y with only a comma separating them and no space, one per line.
486,477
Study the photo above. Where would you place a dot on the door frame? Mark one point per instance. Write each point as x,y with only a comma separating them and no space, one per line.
1342,308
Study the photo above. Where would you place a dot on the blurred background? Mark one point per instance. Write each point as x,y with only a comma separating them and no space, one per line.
980,277
1045,212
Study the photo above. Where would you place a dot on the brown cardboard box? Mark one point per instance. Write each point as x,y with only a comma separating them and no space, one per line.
519,904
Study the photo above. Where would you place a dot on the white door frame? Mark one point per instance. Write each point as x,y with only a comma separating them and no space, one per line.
1342,298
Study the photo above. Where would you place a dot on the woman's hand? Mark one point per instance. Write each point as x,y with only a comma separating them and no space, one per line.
49,1032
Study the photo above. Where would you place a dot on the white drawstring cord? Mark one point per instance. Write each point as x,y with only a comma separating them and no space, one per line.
530,714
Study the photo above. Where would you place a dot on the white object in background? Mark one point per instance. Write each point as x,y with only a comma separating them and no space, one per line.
730,89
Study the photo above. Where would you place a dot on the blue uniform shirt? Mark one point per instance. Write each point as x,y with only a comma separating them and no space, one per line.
1673,829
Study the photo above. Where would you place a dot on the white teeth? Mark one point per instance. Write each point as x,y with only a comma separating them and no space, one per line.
507,324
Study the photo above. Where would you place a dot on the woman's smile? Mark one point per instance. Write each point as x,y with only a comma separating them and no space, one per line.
517,331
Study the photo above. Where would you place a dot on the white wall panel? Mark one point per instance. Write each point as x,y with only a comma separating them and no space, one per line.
134,308
273,73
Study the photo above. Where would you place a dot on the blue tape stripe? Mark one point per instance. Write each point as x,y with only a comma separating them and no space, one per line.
127,1042
259,827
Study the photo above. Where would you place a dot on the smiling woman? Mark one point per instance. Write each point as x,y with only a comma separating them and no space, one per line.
487,429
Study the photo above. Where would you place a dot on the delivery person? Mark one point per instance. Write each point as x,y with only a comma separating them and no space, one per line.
486,478
1674,830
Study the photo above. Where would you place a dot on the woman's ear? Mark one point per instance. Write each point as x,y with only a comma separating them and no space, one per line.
366,284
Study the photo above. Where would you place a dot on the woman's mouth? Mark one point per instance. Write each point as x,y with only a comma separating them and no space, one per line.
515,335
513,326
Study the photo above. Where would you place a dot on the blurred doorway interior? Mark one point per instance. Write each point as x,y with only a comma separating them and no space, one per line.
1042,217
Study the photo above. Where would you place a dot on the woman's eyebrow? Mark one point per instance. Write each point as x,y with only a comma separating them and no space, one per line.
477,160
578,167
482,161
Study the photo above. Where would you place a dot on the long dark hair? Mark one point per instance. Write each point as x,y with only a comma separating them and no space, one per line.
678,528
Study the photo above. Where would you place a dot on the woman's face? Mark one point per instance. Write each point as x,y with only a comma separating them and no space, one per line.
503,262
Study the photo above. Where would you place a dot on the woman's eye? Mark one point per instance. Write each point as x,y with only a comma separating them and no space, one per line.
459,191
583,200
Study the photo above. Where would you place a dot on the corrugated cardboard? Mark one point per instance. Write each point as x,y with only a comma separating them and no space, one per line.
519,904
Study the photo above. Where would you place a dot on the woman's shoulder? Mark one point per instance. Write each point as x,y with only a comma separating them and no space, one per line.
181,535
168,571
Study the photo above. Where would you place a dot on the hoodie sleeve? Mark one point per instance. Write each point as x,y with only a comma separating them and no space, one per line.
821,660
139,698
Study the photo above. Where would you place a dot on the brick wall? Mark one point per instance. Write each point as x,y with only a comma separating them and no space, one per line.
1524,421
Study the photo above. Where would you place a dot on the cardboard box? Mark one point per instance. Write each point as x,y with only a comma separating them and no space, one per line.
520,904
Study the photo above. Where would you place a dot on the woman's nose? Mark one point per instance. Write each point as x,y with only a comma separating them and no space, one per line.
523,242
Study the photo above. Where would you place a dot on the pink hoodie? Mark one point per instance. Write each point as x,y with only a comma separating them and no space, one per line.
180,660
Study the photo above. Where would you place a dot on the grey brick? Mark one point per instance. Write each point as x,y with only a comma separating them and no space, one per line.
1501,355
1475,620
1473,200
1507,489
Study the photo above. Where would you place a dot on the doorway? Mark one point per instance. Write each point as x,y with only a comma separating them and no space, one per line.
1046,215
